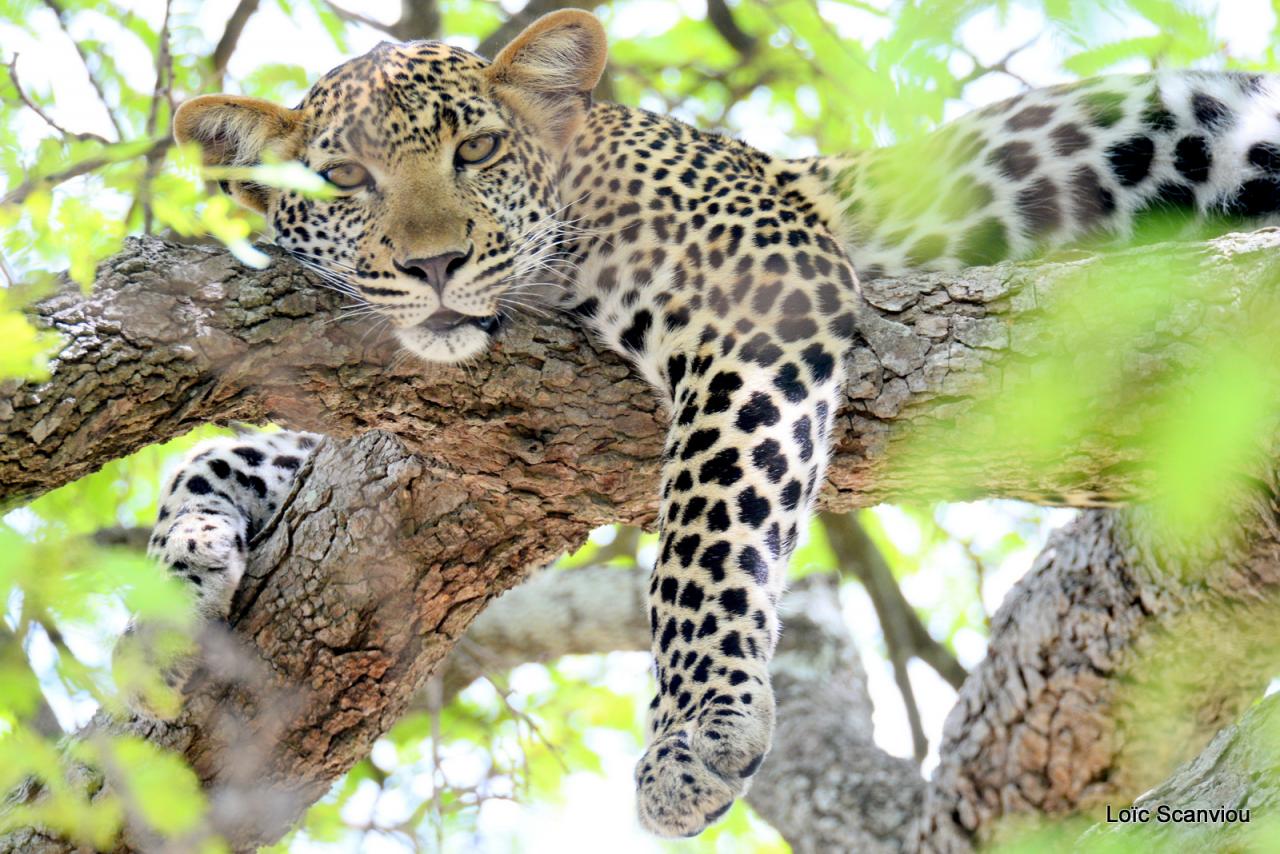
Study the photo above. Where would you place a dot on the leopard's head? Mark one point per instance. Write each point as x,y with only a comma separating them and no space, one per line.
444,171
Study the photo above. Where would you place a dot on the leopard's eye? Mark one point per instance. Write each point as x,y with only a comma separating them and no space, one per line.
478,149
347,176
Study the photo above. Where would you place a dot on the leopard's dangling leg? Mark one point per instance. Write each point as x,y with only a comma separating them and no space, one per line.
744,459
219,498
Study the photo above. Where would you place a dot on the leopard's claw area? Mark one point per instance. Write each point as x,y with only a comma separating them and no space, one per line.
688,779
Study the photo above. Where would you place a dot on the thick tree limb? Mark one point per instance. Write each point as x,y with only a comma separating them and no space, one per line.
1236,771
1098,680
175,336
393,543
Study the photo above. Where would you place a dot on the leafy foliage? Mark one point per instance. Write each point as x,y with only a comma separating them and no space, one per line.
86,159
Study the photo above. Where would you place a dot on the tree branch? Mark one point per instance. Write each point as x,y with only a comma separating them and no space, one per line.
1095,684
510,465
230,38
175,336
898,619
721,17
55,7
39,111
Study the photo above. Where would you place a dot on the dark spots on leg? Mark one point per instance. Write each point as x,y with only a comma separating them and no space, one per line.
693,510
220,468
1068,139
699,441
768,458
720,390
1266,156
1038,207
788,382
753,508
722,469
1090,199
633,338
1211,113
1015,160
686,548
761,350
713,559
1130,160
985,243
252,456
691,597
821,363
791,495
757,411
731,645
1030,117
287,461
802,432
926,249
1256,197
199,486
1104,108
734,601
1192,158
750,562
1155,116
718,517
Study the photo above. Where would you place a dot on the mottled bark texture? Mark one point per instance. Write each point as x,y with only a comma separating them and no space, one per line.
176,336
1117,657
396,539
1236,771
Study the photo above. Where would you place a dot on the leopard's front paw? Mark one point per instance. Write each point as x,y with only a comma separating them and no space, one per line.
691,775
151,664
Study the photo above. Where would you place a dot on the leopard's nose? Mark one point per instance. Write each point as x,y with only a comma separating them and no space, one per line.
436,270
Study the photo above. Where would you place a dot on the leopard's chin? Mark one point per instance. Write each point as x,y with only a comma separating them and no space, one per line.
454,344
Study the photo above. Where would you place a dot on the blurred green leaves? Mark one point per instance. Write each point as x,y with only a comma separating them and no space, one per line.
811,72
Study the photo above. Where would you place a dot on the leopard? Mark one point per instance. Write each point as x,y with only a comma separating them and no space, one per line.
463,188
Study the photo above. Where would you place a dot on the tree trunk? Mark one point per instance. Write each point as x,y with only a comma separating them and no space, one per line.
395,540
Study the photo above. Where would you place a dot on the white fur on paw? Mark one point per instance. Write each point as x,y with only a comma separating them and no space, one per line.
688,778
676,793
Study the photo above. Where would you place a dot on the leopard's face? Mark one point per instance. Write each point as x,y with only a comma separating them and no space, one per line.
444,198
441,216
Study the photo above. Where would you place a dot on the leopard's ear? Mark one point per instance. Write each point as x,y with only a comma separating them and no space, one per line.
549,70
237,131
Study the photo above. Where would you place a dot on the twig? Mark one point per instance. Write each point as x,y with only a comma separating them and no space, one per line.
510,28
230,38
356,18
88,70
902,627
39,111
41,719
10,278
919,741
162,94
505,695
20,193
721,17
1000,66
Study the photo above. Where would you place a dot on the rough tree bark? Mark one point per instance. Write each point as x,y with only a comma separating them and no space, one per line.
396,539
